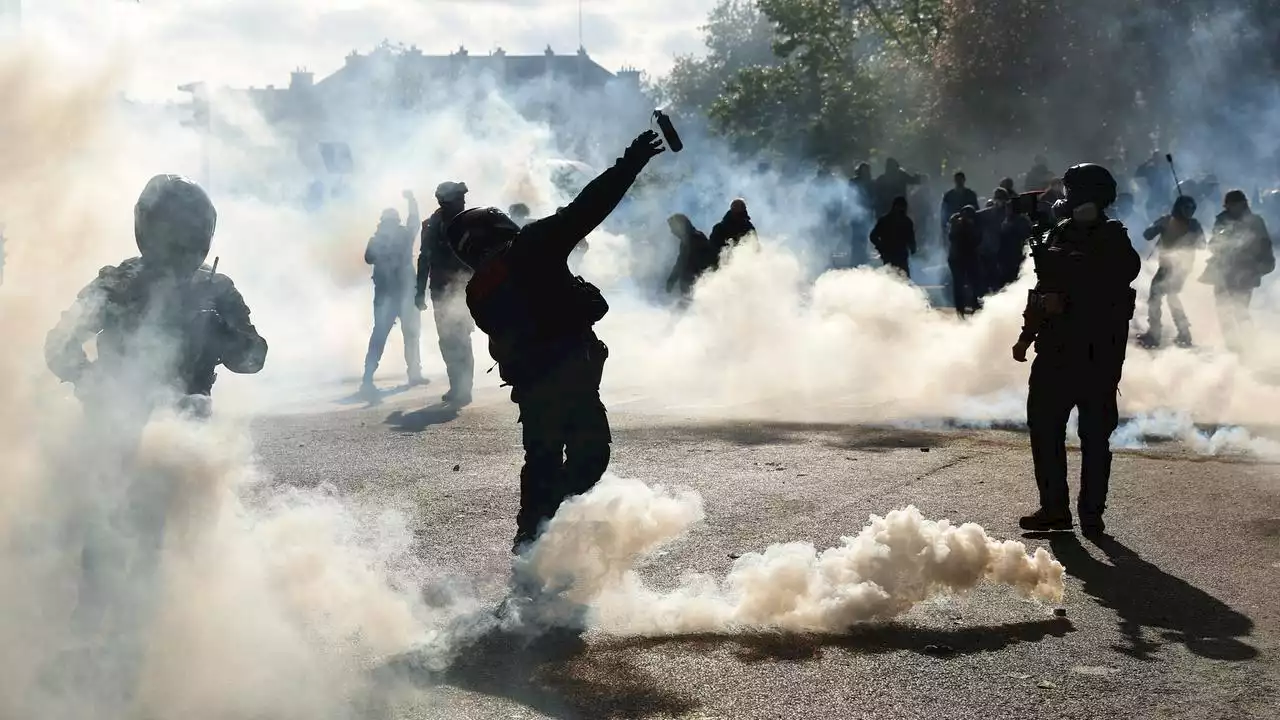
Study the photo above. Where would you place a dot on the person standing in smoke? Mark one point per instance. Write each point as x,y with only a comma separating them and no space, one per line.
445,275
1014,232
862,185
894,237
1078,318
539,320
695,257
163,321
733,227
1240,256
964,238
921,202
1039,176
894,183
390,252
1178,235
1007,184
955,199
990,221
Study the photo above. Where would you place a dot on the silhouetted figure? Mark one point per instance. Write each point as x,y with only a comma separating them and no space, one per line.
964,239
539,320
733,227
695,257
955,199
445,276
1078,317
1015,230
1039,176
894,237
894,183
1240,255
1158,180
863,187
990,221
1178,235
390,252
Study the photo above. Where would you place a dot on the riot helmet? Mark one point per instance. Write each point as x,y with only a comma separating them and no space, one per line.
451,192
476,235
1089,183
173,224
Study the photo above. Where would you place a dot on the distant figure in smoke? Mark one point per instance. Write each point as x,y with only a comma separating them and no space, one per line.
1015,230
1051,196
163,321
1039,176
894,183
390,252
964,239
991,221
445,275
955,199
695,257
1240,256
733,227
922,202
1155,174
1178,235
894,237
863,187
1078,317
539,320
1007,185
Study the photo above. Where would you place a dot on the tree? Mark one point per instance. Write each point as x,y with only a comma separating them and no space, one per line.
738,36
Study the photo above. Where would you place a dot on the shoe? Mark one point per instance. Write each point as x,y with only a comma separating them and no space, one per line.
1183,341
1148,341
1092,526
417,380
1043,521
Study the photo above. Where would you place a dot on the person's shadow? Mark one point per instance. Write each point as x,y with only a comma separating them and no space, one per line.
419,420
1144,596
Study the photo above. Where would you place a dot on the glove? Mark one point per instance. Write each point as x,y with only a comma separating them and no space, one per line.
647,145
420,301
1020,351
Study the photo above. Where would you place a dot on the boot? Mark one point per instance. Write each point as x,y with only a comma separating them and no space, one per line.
1183,340
1149,340
1045,521
1092,526
415,378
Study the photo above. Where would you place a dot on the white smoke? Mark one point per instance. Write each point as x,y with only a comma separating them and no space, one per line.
591,548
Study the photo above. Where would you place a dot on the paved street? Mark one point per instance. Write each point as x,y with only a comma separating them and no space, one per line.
1174,616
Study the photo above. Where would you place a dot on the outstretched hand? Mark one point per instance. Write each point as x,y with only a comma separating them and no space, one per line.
646,145
1020,351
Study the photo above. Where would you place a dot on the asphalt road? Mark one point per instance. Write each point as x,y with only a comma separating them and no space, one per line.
1174,616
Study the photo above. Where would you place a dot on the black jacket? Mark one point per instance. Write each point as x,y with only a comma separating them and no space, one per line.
438,266
894,237
534,310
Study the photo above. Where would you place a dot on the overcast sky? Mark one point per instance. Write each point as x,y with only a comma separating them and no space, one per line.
257,42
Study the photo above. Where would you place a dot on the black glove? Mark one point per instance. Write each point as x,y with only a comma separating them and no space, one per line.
647,145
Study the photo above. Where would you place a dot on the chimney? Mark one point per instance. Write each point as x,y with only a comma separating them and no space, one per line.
301,79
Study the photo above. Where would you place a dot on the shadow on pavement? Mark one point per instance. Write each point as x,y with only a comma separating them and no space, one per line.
420,420
845,436
1144,596
865,639
556,675
359,398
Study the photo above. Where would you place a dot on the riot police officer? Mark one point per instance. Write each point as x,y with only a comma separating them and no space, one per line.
539,319
1078,317
444,275
164,321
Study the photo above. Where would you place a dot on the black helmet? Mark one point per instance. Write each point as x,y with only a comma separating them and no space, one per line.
1089,183
451,191
477,234
173,223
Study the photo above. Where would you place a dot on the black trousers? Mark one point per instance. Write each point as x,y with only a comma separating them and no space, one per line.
966,282
1060,382
454,327
566,436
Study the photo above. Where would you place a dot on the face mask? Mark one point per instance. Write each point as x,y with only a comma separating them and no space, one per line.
1085,213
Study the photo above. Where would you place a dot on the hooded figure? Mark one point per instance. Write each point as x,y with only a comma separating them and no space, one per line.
695,257
894,237
1078,318
390,252
894,183
539,318
964,239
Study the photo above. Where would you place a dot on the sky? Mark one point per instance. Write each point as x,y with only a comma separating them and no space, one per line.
258,42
